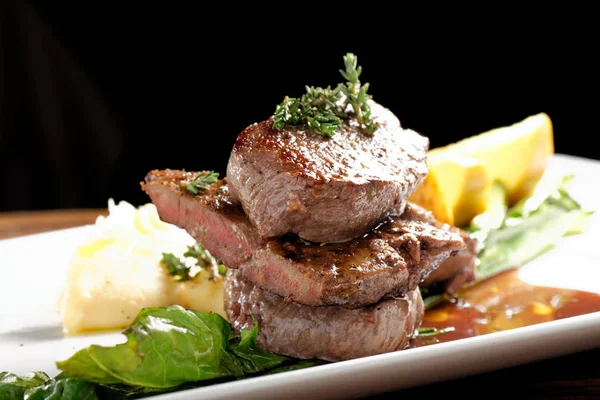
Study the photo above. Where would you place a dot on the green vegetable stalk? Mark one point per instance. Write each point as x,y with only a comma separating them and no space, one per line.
526,230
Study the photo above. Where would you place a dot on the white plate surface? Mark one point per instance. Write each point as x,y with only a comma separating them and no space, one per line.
34,270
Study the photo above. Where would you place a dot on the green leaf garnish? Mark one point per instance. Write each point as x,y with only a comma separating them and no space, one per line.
182,270
252,359
176,267
39,386
63,389
13,386
323,109
165,347
201,181
433,300
171,346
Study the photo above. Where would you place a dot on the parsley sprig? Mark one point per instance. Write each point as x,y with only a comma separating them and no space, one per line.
196,255
323,109
201,181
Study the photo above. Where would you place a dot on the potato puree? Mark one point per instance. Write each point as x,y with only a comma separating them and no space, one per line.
117,272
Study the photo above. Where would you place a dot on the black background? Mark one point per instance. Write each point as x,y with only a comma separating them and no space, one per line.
179,84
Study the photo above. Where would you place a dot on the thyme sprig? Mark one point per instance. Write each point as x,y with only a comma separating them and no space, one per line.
427,331
176,267
323,109
356,95
182,269
201,181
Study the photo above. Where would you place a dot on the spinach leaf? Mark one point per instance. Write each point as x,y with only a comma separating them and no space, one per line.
13,386
298,364
127,392
251,358
165,347
64,389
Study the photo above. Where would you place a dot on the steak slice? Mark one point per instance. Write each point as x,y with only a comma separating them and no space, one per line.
454,272
325,189
391,259
394,258
210,217
329,333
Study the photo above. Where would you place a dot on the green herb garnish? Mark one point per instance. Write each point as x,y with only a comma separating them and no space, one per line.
427,331
176,267
323,110
181,269
205,260
356,95
201,181
428,334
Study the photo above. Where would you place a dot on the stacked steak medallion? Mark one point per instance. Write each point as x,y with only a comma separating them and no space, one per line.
323,250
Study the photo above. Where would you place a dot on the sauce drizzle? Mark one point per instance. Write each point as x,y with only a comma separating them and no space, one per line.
501,303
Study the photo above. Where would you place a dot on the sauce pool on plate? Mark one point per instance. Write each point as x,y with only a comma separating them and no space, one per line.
501,303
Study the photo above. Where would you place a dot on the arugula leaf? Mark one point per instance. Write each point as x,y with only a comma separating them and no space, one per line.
13,386
165,347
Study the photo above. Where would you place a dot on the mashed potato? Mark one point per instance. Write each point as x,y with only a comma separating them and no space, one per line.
118,272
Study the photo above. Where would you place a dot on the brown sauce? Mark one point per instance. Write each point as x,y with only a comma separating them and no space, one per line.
501,303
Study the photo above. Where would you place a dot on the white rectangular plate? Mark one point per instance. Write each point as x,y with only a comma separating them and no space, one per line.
34,270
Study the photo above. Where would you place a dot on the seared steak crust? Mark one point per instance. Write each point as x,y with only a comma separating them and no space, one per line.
325,189
210,217
454,272
328,333
391,259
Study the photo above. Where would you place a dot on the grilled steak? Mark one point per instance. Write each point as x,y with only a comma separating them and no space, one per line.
325,189
211,218
456,271
391,259
329,333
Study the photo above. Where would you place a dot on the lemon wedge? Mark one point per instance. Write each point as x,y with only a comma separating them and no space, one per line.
461,174
455,190
515,155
